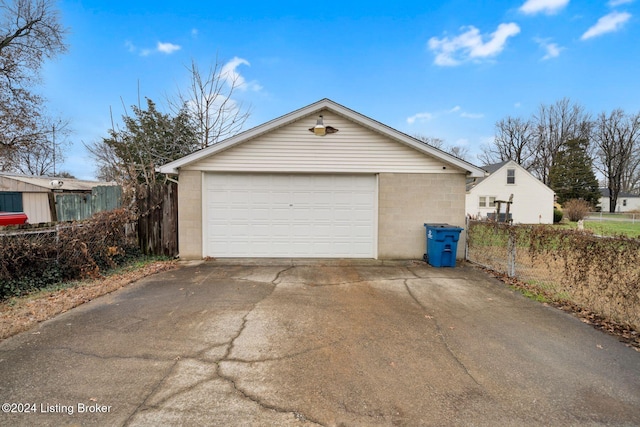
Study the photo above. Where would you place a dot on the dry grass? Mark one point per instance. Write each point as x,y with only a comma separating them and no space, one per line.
22,313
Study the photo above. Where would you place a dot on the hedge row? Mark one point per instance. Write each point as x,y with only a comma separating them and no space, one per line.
600,274
34,259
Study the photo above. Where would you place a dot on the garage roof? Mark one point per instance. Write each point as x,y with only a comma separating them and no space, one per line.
472,171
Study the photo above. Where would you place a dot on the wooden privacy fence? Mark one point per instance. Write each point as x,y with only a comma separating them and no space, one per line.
79,206
158,219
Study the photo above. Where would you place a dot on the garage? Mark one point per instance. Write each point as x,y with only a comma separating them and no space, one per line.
323,181
289,215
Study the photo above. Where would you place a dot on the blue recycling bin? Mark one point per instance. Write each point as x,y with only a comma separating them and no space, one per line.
442,244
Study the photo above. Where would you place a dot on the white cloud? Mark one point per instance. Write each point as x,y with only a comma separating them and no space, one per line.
425,117
531,7
422,117
552,50
470,45
614,3
233,78
194,33
167,48
607,24
471,115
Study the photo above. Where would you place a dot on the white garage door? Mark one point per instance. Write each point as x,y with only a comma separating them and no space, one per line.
269,215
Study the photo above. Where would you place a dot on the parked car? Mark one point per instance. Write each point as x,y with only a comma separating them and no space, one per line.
13,218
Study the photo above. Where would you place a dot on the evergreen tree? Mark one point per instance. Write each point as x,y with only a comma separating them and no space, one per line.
572,176
149,139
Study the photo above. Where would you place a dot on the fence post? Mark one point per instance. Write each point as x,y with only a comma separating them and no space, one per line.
511,256
466,241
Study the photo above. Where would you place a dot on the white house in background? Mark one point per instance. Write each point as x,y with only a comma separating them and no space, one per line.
532,199
627,202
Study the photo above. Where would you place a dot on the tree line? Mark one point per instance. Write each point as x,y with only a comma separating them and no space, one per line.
562,144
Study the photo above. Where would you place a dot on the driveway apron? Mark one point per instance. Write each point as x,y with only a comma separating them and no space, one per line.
293,342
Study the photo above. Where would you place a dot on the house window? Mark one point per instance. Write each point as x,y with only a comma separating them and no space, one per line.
511,176
487,201
624,202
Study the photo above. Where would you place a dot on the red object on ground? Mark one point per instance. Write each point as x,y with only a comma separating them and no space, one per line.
12,218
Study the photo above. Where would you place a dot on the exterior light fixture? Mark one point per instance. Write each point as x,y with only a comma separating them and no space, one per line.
320,129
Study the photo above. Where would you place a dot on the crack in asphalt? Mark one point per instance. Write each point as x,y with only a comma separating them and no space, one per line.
150,394
277,278
440,334
225,358
285,357
354,282
217,372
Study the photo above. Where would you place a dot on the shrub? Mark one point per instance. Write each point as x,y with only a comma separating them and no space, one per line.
576,209
599,275
32,260
557,216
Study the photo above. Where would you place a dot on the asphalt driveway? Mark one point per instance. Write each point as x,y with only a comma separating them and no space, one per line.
317,343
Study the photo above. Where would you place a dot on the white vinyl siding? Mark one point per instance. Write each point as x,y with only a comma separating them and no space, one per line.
36,206
284,215
293,148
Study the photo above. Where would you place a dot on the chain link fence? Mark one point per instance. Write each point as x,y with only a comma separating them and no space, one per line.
34,259
599,274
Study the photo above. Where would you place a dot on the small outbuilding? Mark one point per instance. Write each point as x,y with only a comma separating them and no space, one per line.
50,199
323,181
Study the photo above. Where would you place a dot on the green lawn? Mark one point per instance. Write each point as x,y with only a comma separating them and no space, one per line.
610,228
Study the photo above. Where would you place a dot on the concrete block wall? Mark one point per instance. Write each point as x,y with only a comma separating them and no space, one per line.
407,201
190,215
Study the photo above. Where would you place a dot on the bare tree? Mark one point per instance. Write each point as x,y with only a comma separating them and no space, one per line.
209,101
41,158
458,151
554,126
631,180
514,140
434,142
617,141
30,32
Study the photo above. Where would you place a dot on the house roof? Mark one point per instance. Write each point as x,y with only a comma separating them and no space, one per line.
493,168
604,192
172,168
490,169
45,182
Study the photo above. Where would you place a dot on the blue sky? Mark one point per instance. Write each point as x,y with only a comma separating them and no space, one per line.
448,69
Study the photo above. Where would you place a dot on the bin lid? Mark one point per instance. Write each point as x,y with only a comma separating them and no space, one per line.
443,226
